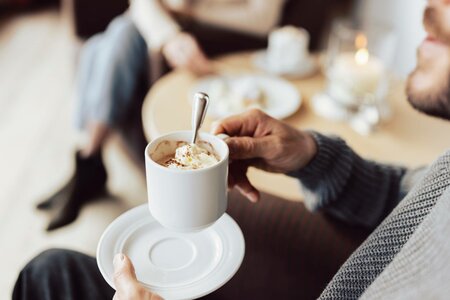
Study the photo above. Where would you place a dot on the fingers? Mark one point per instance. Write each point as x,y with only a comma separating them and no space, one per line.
124,276
195,62
246,140
177,57
233,125
238,178
248,147
247,189
155,297
203,66
149,297
199,64
253,122
184,52
127,286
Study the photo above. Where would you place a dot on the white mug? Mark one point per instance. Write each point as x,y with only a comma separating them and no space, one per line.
287,49
186,200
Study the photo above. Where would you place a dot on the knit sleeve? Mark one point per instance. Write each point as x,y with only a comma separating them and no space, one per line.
341,183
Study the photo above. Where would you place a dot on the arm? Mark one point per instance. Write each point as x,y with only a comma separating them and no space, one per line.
154,23
163,34
333,177
251,16
350,188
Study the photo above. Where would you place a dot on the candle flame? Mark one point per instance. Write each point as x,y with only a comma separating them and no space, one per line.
362,56
361,41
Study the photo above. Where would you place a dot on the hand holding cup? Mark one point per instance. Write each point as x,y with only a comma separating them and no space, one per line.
258,140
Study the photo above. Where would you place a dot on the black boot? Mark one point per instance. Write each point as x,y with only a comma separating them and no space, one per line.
50,202
87,184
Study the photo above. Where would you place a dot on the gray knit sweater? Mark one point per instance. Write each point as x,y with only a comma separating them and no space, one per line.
408,254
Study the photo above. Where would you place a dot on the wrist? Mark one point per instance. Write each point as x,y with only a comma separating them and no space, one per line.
328,149
170,38
309,151
310,146
171,45
301,153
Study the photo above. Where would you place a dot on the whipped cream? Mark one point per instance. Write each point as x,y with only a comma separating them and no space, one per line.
191,157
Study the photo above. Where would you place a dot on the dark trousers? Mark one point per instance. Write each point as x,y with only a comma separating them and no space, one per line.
290,254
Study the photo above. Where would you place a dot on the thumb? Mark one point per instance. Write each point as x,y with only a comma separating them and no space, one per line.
124,275
246,147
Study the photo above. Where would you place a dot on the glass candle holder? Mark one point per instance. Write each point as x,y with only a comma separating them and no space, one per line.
355,66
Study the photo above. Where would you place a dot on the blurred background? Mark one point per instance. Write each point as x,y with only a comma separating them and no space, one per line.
40,42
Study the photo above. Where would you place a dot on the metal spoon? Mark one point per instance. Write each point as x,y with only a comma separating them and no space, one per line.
199,108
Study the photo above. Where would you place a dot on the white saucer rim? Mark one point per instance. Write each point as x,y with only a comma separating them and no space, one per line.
101,242
280,116
259,60
240,242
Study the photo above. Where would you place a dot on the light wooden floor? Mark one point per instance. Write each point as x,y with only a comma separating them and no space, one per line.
37,141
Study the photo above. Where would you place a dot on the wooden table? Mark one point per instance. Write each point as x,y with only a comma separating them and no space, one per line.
409,138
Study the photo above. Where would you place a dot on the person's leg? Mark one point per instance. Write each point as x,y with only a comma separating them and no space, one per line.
290,253
98,132
113,70
87,59
118,79
88,159
61,274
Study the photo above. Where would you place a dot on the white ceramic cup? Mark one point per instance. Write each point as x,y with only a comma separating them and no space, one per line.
186,200
288,48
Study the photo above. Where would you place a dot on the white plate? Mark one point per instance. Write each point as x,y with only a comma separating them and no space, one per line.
306,69
172,264
283,99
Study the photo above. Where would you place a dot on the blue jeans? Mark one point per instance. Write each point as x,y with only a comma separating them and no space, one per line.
114,68
113,76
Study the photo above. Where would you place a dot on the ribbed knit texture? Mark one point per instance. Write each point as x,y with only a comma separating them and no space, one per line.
421,270
403,248
347,185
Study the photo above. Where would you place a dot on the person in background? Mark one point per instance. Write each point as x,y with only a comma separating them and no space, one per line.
117,66
405,257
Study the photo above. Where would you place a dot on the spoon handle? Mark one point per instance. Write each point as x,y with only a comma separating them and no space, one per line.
200,106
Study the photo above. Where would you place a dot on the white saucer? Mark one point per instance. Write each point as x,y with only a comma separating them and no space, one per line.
307,68
174,265
283,98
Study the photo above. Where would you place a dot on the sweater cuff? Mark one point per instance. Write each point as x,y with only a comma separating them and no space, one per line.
326,146
324,177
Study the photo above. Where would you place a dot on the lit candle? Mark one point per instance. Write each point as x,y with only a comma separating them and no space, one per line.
355,75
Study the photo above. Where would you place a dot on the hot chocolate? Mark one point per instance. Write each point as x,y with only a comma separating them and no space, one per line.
190,156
